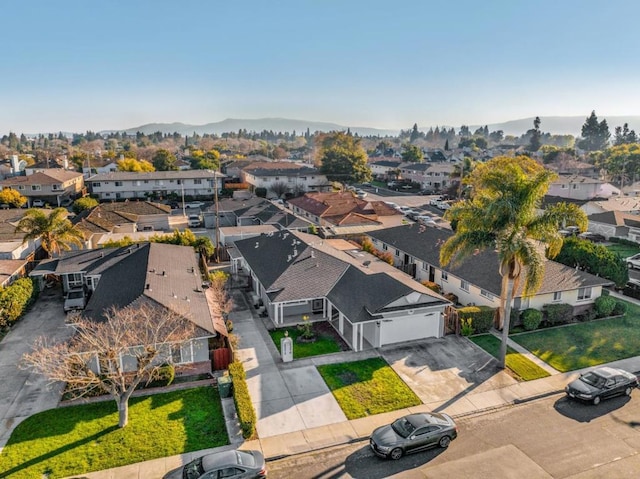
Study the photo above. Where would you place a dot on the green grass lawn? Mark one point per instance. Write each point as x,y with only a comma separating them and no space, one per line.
78,439
586,344
364,388
324,344
623,250
523,368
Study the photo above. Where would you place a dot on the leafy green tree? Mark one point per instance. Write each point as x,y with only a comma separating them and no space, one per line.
623,135
205,161
85,203
535,140
164,160
595,135
12,197
131,164
55,231
412,153
343,159
502,215
622,161
595,259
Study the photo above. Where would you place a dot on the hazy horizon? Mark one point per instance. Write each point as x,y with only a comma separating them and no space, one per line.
71,66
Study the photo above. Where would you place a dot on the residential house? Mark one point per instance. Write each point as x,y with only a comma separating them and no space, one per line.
297,177
12,244
369,303
254,211
343,212
123,217
384,168
624,204
154,273
89,171
12,269
51,185
580,188
416,250
120,185
615,224
430,176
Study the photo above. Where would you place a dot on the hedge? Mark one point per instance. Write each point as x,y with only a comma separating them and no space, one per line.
558,313
242,399
531,319
15,299
481,317
604,306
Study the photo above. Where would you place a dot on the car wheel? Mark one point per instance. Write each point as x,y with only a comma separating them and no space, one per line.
627,391
444,441
596,400
630,265
396,454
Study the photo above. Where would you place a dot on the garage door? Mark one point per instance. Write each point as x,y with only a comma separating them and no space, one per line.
410,327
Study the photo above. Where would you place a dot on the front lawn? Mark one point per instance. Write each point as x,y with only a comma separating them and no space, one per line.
364,388
74,440
326,341
523,368
624,250
586,344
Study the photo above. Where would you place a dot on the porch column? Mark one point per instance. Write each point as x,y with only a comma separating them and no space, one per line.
354,338
281,315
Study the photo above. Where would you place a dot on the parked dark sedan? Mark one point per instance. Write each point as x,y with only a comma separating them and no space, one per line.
413,433
232,464
602,383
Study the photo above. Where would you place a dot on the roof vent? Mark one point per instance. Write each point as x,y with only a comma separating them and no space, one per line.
148,287
366,264
164,273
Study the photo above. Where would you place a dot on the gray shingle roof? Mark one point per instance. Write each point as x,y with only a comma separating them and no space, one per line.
480,270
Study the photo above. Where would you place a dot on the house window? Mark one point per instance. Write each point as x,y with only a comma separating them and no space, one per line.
36,187
575,187
445,276
118,183
397,252
584,293
557,296
277,178
146,182
464,285
385,247
181,354
96,184
171,181
56,187
486,294
564,187
197,181
75,279
425,266
179,182
21,187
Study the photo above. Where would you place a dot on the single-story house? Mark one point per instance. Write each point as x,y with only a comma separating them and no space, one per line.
476,281
367,301
161,274
615,224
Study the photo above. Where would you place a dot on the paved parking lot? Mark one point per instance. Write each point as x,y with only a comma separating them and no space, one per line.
23,393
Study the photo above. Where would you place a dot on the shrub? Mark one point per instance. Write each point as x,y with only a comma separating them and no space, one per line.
432,286
604,306
242,399
261,192
481,317
165,376
451,297
531,319
559,313
619,309
367,246
588,315
466,327
15,299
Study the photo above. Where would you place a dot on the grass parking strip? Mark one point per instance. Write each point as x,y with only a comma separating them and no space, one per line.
78,439
523,368
364,388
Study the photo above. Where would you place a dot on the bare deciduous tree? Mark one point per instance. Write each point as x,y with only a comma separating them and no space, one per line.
129,347
280,188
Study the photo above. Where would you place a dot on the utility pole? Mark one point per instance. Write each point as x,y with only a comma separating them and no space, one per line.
215,195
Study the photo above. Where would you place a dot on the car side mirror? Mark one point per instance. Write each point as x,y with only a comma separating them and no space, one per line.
412,437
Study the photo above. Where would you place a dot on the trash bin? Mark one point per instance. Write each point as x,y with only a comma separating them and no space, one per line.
224,386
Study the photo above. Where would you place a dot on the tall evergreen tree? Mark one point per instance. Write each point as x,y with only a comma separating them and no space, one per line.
595,135
415,134
534,141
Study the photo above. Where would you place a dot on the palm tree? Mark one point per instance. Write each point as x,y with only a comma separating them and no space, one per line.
54,229
503,215
463,170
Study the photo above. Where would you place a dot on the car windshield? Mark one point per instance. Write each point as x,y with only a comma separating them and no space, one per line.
593,380
75,294
193,470
402,427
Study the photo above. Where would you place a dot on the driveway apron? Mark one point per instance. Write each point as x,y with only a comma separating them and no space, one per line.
23,393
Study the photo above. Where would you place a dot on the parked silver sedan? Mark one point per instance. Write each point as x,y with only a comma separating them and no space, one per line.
413,433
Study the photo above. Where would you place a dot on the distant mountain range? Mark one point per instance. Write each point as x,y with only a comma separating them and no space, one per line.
559,125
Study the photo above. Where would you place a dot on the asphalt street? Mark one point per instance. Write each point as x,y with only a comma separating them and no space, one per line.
549,438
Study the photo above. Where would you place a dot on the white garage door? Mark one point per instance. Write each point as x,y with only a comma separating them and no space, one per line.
410,327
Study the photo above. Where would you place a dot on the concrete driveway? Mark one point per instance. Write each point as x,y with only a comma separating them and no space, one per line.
23,393
446,370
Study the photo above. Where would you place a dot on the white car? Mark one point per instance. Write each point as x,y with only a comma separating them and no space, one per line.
194,221
633,261
75,299
194,204
425,220
37,203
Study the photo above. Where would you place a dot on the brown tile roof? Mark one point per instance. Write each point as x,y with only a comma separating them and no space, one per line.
50,177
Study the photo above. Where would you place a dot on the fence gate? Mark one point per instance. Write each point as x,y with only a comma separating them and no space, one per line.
221,357
451,322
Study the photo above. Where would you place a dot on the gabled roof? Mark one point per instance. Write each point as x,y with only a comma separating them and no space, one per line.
280,168
50,176
481,270
106,216
166,274
575,179
297,266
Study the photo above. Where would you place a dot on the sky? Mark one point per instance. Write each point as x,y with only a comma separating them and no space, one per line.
115,64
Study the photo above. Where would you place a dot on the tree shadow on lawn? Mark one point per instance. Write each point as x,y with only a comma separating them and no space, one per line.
586,412
51,454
